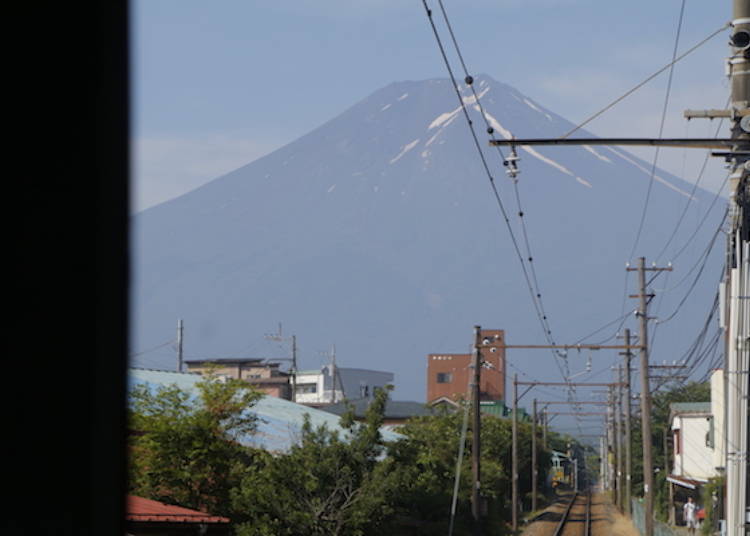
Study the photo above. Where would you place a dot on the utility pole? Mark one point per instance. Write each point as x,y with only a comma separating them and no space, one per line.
514,454
476,507
533,457
179,345
294,368
626,407
618,437
279,337
648,464
544,431
738,276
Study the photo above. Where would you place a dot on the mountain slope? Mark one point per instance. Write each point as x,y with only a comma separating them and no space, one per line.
378,232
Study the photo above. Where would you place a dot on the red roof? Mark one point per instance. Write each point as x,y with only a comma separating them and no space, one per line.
140,509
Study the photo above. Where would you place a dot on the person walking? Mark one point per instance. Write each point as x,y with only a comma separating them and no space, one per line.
688,511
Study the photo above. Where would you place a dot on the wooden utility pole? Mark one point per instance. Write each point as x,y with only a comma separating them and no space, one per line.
476,507
533,457
514,455
179,345
294,368
626,407
648,464
617,399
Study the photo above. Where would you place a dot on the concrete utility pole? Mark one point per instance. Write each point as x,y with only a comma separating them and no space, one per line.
476,507
738,279
514,455
648,464
533,457
626,407
618,438
179,345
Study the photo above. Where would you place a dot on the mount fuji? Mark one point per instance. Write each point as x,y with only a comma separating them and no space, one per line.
378,232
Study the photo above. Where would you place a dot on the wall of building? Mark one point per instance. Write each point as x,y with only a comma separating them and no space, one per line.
351,383
448,375
717,410
695,457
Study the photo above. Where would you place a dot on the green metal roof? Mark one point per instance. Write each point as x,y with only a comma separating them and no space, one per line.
690,407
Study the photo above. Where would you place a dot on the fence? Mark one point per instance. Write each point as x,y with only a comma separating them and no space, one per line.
660,529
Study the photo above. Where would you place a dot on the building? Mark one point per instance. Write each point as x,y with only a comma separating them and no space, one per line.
280,421
332,384
396,412
263,375
146,517
448,375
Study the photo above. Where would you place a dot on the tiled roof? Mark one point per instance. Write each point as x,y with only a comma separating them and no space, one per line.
279,421
142,510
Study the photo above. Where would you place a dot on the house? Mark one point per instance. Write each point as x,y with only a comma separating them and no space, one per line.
697,446
280,421
146,517
332,384
262,374
448,374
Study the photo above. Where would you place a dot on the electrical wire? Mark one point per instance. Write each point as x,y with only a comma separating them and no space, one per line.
152,349
692,193
661,131
535,300
646,81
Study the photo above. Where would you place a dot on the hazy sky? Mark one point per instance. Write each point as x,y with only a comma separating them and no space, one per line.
219,84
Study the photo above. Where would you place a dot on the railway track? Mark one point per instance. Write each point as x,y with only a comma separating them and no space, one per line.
576,518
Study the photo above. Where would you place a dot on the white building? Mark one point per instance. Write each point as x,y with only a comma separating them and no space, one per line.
333,384
694,440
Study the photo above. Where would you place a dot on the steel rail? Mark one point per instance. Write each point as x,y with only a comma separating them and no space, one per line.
587,526
564,518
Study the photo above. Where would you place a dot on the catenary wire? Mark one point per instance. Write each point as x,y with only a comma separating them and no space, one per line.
646,81
665,106
491,179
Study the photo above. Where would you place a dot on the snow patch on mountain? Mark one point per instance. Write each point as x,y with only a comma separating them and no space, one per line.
597,154
471,99
444,119
384,108
656,177
402,97
536,108
405,149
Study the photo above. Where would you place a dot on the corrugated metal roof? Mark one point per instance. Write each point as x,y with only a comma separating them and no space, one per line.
279,421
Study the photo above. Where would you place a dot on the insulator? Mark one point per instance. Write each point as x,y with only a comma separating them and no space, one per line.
469,80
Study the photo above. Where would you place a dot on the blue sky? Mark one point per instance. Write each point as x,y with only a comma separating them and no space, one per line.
218,84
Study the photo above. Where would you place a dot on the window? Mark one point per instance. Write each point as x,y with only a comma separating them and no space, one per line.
444,377
710,433
677,443
307,388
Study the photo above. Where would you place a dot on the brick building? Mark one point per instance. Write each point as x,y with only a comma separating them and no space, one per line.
448,375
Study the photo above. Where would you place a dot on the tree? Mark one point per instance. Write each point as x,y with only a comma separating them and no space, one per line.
185,449
325,485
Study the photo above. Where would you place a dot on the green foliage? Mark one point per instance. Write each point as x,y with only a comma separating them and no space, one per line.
326,485
185,451
715,486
